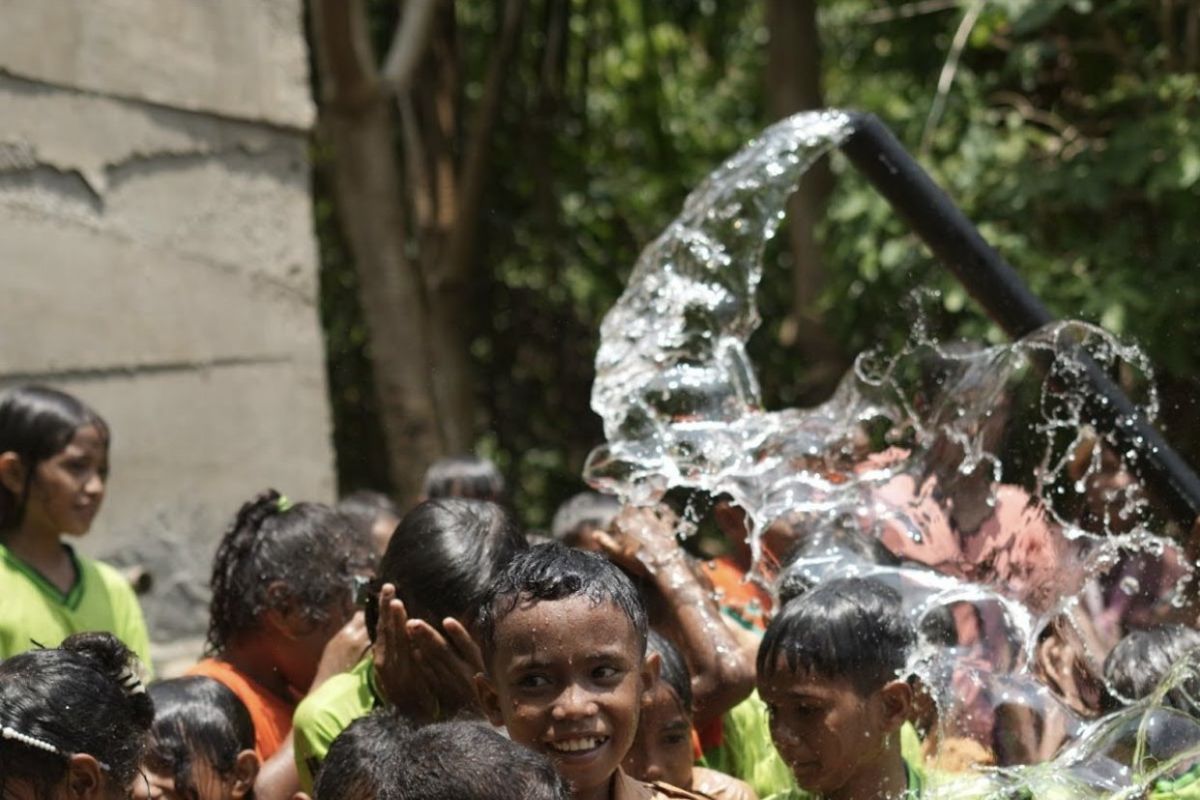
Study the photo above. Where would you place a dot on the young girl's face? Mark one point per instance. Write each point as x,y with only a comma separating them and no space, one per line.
662,750
68,488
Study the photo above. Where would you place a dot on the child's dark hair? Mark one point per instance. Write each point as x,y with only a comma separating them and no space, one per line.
586,509
551,572
1142,660
196,718
851,628
442,557
674,672
306,547
380,757
81,697
36,423
468,477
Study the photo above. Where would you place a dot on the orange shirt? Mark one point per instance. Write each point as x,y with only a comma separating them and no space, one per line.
739,597
271,715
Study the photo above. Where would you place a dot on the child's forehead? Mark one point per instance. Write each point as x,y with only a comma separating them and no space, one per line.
577,619
784,680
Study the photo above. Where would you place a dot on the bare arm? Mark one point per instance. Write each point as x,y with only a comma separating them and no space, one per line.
643,541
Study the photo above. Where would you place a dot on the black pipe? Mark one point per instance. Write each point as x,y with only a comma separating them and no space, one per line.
997,287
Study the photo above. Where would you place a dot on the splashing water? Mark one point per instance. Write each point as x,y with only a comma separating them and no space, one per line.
970,478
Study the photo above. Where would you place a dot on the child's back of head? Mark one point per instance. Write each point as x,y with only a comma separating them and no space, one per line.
468,477
1141,661
82,698
380,757
582,514
373,517
297,560
201,731
444,554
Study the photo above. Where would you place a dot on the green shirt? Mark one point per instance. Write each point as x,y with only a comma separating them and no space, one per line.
916,786
328,711
34,612
1185,787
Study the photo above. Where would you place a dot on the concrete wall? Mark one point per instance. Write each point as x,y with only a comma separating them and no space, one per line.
157,258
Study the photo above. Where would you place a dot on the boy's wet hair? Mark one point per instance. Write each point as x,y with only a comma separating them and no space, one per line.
1143,659
307,547
674,672
36,423
81,697
848,628
381,757
468,477
442,557
552,572
586,509
196,719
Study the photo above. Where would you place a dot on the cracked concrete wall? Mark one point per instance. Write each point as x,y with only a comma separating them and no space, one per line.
158,260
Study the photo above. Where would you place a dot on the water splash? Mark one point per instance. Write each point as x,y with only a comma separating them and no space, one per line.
970,478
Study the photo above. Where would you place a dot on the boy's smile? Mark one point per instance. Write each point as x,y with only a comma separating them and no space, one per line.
567,680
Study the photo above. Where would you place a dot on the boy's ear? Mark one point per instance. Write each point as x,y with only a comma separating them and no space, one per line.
651,668
85,779
245,771
896,703
12,472
489,699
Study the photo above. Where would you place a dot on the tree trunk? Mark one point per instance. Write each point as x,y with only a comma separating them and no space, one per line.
356,120
794,84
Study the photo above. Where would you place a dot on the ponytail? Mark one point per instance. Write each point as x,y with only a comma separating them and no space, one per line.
307,547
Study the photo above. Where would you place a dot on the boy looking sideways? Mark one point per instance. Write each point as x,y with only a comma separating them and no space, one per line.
828,670
563,635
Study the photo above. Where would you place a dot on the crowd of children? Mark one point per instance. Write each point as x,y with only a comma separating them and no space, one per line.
359,652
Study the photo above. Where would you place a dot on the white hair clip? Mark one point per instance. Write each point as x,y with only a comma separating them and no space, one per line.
130,681
17,736
40,744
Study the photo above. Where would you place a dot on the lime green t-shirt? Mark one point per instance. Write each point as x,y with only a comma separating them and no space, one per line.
747,752
34,612
1185,787
916,786
328,711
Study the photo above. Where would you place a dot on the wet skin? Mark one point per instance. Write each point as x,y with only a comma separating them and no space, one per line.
567,678
662,750
839,743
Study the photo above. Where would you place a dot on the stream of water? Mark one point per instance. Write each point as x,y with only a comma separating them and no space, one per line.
968,477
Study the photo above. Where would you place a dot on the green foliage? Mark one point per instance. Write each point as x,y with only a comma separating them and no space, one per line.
1070,135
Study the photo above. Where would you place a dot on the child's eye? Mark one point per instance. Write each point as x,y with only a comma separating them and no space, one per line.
533,681
606,673
676,739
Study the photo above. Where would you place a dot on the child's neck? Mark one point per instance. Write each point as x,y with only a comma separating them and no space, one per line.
886,777
256,662
604,792
42,550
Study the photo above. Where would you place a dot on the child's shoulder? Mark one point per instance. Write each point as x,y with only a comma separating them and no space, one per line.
719,786
628,788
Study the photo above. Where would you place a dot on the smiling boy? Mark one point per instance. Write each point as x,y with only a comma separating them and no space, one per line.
828,670
564,647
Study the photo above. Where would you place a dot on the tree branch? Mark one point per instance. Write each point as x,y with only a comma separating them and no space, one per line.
949,70
462,241
349,78
409,43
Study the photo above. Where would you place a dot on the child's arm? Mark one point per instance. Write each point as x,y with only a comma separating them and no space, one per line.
642,540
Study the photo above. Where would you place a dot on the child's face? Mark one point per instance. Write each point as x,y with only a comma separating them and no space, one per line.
567,679
831,736
68,487
662,750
